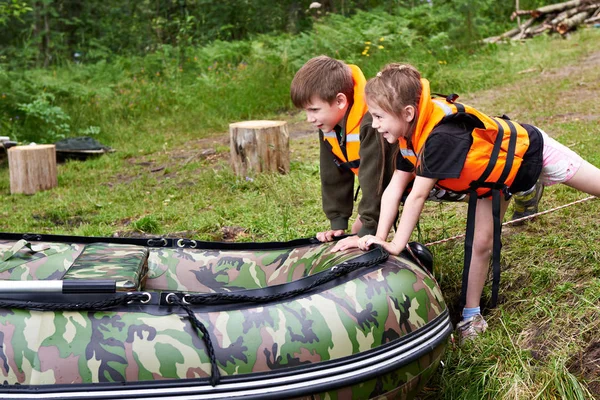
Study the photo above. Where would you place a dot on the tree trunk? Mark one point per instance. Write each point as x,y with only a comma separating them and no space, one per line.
259,146
46,37
32,168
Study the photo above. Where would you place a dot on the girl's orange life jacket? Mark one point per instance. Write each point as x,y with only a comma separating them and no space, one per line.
494,157
350,159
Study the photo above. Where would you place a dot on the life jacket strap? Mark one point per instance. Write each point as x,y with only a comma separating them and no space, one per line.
450,98
497,189
496,249
348,165
470,233
356,193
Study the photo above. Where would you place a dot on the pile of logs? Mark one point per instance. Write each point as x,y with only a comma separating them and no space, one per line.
560,17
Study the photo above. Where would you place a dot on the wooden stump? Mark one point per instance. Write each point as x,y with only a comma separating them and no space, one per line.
259,146
32,168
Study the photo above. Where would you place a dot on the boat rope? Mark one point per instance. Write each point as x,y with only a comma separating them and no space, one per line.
191,299
215,375
85,306
514,221
334,272
187,300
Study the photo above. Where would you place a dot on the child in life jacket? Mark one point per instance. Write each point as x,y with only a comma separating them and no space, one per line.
332,94
449,145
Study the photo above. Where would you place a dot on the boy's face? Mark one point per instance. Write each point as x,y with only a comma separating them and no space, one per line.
391,126
325,116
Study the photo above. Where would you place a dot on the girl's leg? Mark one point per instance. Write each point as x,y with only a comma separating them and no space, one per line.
586,179
482,249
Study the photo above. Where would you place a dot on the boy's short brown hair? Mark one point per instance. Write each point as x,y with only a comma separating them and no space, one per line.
324,77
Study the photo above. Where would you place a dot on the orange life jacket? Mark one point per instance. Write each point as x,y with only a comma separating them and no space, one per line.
489,163
350,159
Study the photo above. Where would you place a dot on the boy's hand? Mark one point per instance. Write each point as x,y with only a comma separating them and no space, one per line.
328,236
351,242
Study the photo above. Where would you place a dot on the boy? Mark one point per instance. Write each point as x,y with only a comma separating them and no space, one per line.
332,94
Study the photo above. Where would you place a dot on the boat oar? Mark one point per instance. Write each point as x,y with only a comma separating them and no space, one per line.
68,286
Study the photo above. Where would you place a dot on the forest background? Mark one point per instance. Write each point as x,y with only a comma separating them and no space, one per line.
159,81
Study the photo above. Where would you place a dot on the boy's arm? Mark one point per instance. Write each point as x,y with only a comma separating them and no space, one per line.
337,186
374,160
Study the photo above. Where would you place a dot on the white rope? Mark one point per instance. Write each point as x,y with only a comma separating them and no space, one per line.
514,221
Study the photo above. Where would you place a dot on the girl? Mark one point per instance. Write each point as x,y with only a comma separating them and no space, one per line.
454,147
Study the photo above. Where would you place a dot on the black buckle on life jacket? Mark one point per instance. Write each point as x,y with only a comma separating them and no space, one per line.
451,98
346,165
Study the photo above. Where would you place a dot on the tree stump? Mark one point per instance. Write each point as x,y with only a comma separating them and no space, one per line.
259,146
32,168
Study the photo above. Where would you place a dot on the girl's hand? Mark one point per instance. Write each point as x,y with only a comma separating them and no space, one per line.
365,242
351,242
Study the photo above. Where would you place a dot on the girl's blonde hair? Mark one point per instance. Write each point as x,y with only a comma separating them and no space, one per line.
396,86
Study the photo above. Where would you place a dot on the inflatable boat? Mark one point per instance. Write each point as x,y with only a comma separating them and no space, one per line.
117,318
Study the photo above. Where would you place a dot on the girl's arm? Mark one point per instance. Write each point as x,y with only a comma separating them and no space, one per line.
390,201
410,215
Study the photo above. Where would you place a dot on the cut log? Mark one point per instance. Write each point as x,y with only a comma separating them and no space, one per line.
32,168
511,33
519,13
564,15
541,29
525,28
259,146
595,16
572,22
552,8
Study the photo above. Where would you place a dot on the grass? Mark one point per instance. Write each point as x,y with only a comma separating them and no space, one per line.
542,342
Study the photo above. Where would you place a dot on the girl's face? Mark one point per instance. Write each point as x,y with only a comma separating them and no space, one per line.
391,126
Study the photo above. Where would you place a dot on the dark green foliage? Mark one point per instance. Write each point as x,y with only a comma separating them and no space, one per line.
142,61
50,32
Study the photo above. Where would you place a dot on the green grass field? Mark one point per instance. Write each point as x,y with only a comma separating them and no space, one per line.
170,176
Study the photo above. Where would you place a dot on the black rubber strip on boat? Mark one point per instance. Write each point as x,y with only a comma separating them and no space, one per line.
162,241
158,305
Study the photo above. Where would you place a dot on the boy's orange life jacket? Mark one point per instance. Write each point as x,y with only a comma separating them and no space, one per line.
350,159
489,164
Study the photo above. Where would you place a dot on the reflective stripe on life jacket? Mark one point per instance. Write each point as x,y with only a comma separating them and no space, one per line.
488,164
350,158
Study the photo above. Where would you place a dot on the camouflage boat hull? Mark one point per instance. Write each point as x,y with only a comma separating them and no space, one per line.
157,318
